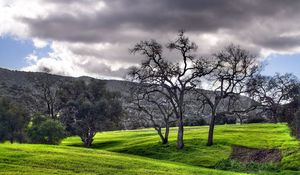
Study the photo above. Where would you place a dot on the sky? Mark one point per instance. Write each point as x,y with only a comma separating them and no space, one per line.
92,37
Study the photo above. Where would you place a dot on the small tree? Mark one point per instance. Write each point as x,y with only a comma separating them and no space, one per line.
13,121
89,108
46,130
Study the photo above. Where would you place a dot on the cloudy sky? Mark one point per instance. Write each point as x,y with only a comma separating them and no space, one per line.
92,37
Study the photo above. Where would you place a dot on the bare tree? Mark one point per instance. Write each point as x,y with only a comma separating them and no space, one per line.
172,80
274,91
153,108
47,92
236,67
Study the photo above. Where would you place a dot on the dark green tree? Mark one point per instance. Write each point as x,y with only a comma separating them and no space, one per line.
13,121
89,108
46,130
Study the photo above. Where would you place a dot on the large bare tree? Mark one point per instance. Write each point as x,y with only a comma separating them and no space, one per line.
171,79
236,67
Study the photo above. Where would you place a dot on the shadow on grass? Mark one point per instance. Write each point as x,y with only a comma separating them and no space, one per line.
195,151
100,145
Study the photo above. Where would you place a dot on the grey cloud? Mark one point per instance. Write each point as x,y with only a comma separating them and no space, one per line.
104,70
111,25
254,24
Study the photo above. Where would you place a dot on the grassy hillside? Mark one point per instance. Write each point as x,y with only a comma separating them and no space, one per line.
43,159
146,143
139,152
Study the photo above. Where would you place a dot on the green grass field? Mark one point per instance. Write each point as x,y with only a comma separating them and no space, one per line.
140,152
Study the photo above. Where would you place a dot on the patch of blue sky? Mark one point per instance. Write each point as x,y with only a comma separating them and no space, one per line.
14,51
282,64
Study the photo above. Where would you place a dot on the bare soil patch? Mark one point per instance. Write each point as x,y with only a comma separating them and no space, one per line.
247,155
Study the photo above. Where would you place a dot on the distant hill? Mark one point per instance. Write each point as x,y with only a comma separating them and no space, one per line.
13,79
20,86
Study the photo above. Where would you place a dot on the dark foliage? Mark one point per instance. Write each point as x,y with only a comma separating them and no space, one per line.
13,121
256,119
89,108
46,131
195,121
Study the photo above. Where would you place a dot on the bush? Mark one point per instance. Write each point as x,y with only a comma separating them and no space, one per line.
46,131
195,121
256,120
223,119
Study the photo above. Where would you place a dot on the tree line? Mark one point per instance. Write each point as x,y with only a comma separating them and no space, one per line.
61,109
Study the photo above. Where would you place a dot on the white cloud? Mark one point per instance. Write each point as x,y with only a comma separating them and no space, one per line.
61,60
38,43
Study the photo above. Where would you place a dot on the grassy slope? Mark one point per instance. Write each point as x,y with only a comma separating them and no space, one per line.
43,159
157,159
146,143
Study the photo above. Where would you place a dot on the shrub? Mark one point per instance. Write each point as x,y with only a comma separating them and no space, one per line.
46,131
223,119
256,120
195,121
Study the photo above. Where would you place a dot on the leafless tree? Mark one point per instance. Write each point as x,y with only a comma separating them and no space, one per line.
272,92
153,108
236,67
47,91
169,79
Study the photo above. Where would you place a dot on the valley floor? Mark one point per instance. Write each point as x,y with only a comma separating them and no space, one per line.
140,152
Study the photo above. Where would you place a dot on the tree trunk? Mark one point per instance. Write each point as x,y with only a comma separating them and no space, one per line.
52,112
166,134
162,138
88,142
49,109
11,140
211,130
88,139
241,119
180,143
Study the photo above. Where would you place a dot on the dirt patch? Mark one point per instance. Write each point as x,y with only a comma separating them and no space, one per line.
246,155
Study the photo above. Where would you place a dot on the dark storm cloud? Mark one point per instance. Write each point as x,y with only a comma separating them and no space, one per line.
259,25
113,24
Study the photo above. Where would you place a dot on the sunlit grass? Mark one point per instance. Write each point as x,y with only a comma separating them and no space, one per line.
43,159
140,152
146,143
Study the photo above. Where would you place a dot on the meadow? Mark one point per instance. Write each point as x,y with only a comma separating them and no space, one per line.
140,152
